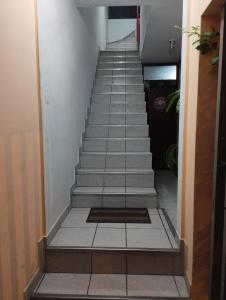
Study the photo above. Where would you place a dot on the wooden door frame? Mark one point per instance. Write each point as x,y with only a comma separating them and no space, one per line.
218,259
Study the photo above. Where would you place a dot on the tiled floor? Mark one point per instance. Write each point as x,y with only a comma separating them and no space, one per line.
166,186
113,285
75,232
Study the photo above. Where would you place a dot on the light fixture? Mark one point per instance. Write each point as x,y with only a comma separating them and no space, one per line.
172,43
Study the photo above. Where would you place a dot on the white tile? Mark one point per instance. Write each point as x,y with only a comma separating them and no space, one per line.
62,283
112,225
108,237
138,145
114,201
119,72
136,119
156,223
80,210
95,145
136,131
135,108
107,285
90,180
139,161
147,238
141,201
135,98
78,220
74,237
118,98
181,285
134,80
97,131
117,132
99,108
92,161
116,145
119,119
140,180
115,180
98,119
114,190
115,161
135,88
117,107
86,201
118,88
119,80
151,286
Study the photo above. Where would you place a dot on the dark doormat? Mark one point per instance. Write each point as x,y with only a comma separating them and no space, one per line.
118,215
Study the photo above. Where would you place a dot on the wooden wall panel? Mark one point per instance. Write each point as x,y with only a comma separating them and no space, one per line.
21,163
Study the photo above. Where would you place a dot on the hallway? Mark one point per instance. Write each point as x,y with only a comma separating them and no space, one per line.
115,171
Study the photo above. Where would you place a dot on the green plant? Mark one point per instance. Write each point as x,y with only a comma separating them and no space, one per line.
173,100
172,158
205,42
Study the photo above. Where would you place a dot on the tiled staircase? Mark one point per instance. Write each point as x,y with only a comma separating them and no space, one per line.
120,260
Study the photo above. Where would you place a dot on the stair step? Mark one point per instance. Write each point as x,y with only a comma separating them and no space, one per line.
113,98
119,65
116,144
116,160
118,119
117,79
117,131
110,177
119,53
119,71
118,107
114,197
111,59
110,286
117,88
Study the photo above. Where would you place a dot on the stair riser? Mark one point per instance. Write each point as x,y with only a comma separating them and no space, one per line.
119,88
117,119
119,180
123,98
116,161
118,80
114,262
119,53
110,59
96,131
118,72
120,65
114,200
118,145
117,108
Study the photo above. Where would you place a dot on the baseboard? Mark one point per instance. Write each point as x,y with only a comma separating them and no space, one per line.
37,277
187,282
171,226
57,224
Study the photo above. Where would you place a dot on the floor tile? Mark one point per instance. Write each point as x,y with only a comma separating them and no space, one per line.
107,284
156,223
109,237
74,237
151,286
112,225
147,238
60,283
181,285
77,220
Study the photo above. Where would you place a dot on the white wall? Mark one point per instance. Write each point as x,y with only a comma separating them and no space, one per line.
157,28
68,56
120,28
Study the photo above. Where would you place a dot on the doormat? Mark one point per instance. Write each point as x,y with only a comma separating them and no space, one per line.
118,215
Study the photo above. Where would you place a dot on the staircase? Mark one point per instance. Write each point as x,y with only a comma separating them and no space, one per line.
114,260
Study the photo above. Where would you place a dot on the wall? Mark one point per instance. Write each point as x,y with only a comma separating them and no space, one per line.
118,29
68,55
21,188
196,8
157,28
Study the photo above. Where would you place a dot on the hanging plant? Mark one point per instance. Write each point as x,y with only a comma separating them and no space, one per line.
172,158
173,100
205,42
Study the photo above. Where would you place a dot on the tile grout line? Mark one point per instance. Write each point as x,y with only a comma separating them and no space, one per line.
176,286
165,230
90,277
